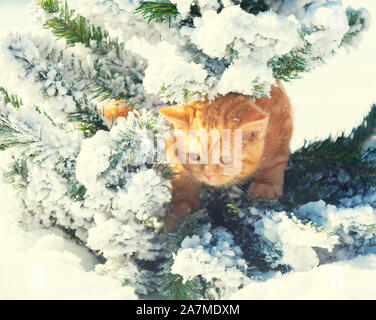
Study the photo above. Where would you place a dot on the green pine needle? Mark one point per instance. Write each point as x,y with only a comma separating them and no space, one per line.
356,24
87,120
11,135
14,100
77,191
160,11
17,173
329,169
164,10
173,286
65,23
76,28
252,6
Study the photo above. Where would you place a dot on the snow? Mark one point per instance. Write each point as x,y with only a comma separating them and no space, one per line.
183,6
240,74
88,167
295,240
333,19
224,41
14,13
353,279
336,97
164,78
218,31
216,258
44,264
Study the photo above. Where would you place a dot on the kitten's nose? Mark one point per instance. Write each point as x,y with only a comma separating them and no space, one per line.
207,176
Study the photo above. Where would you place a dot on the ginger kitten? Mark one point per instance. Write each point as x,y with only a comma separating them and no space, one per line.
226,141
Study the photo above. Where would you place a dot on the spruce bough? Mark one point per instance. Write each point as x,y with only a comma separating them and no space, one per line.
85,180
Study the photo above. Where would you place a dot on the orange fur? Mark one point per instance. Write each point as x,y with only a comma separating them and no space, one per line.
114,109
266,126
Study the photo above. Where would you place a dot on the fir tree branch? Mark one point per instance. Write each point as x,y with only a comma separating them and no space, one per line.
17,175
65,23
291,65
87,120
86,116
173,286
14,100
37,109
357,24
77,191
343,148
252,6
332,168
75,28
14,133
51,6
10,134
160,11
164,10
10,137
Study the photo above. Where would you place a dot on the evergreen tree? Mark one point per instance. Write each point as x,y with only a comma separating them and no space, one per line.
108,186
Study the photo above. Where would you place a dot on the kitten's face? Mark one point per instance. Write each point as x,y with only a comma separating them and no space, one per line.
218,156
218,143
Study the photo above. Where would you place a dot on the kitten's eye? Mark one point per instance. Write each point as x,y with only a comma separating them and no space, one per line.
193,156
226,160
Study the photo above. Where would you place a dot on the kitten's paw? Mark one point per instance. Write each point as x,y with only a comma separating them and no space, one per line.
170,223
180,210
265,190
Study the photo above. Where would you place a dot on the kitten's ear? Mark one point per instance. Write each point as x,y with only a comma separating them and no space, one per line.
177,114
254,125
